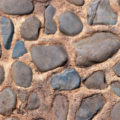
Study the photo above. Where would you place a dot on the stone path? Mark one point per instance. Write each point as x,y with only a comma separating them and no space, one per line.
59,59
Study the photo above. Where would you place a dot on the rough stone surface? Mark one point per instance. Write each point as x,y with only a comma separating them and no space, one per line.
7,101
76,2
33,102
1,74
70,24
116,69
7,29
19,49
50,25
87,49
21,74
100,12
89,107
96,80
48,57
16,7
12,118
30,28
67,80
60,108
115,112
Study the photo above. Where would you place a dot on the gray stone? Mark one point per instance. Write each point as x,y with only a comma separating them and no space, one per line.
21,74
70,24
76,2
87,49
116,69
7,29
16,7
1,74
67,80
33,102
96,80
100,12
7,101
90,106
50,25
48,57
115,112
60,108
12,118
30,28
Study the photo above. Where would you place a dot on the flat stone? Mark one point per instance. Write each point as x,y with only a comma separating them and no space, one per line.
67,80
33,102
1,74
116,69
70,24
87,49
48,57
60,108
19,49
116,87
7,29
21,74
100,12
96,80
7,101
90,106
77,2
50,25
16,7
30,28
115,112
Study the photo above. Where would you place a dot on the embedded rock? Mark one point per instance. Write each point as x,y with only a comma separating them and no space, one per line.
76,2
116,69
1,74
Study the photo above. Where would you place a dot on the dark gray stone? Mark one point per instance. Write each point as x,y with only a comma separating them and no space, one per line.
70,24
76,2
60,108
21,74
116,69
30,28
48,57
16,7
115,112
96,80
19,49
90,106
7,29
7,101
100,12
87,49
1,74
33,102
67,80
50,25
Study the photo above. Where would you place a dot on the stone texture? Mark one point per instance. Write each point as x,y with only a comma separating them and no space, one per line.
30,28
115,112
50,25
60,108
116,68
76,2
96,80
16,7
1,74
48,57
12,118
7,29
87,49
89,107
7,101
100,12
38,119
19,49
70,24
67,80
21,74
33,101
116,87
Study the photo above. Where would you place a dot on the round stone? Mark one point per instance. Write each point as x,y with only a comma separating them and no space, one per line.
30,28
116,69
70,24
1,74
76,2
21,74
7,101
